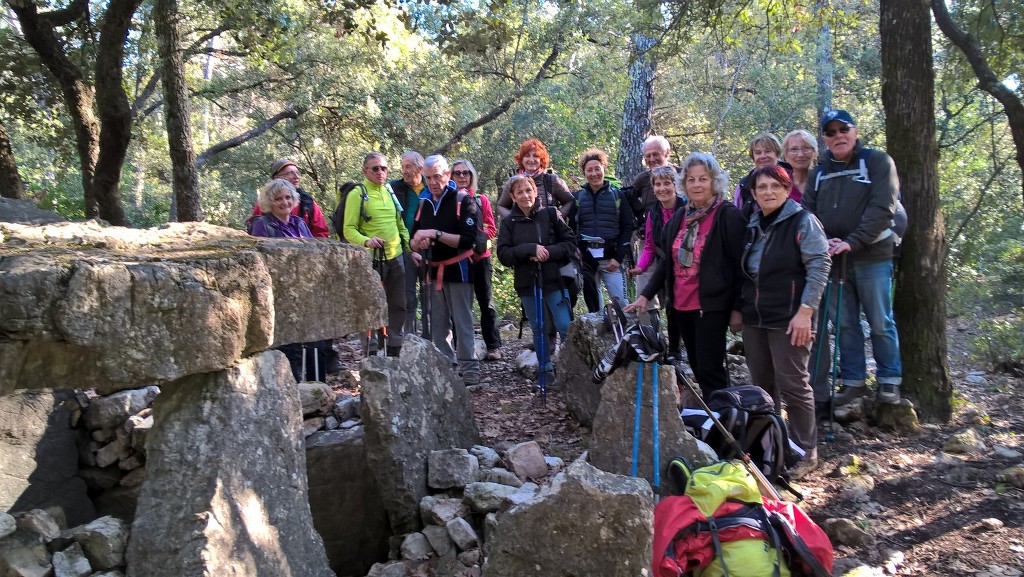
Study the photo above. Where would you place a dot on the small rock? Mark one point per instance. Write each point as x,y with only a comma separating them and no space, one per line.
441,510
351,423
416,547
554,464
330,423
947,460
310,426
71,562
965,441
346,408
39,522
112,452
1004,452
857,486
526,364
134,478
391,569
851,412
976,378
451,468
470,558
974,416
487,456
439,540
526,460
992,524
462,533
103,541
8,524
845,532
1012,475
487,497
316,398
502,476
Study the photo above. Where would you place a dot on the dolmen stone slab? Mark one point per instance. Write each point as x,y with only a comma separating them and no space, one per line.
225,490
87,305
612,446
411,406
586,342
345,501
39,455
586,522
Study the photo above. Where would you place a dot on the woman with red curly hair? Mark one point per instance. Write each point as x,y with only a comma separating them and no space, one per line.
534,161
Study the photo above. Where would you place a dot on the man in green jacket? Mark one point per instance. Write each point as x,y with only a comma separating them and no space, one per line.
375,222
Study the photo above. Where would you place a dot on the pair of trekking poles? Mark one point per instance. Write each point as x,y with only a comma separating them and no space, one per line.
823,344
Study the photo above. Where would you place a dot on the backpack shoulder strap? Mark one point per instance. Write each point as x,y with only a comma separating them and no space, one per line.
859,171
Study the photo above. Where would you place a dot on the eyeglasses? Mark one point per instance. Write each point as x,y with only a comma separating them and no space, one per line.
461,173
800,150
831,132
378,168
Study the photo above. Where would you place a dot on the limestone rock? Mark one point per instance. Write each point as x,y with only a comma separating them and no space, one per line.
462,533
526,460
23,554
415,547
24,211
316,398
71,562
138,427
965,441
486,456
113,410
585,344
526,364
487,497
392,569
225,490
103,541
591,522
451,468
895,417
346,408
39,453
842,531
502,476
40,522
411,406
7,525
439,539
115,308
470,558
612,448
345,502
440,510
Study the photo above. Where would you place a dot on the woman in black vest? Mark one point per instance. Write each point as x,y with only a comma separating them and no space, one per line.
701,278
785,269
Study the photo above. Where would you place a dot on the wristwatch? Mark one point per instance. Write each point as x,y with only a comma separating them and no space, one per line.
437,234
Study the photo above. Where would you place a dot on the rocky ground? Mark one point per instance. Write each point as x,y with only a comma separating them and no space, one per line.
917,506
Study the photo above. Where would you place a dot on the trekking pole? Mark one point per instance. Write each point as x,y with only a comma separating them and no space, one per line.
765,486
655,433
837,331
379,259
635,462
425,297
541,340
823,342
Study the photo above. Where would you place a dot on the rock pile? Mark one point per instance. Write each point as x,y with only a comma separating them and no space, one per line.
33,543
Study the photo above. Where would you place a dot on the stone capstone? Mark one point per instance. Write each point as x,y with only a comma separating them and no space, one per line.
345,501
612,448
411,406
225,490
86,305
39,454
590,522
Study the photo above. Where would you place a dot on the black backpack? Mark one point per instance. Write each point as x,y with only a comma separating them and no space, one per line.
338,217
748,412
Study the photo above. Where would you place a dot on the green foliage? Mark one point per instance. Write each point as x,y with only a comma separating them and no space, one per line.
1001,342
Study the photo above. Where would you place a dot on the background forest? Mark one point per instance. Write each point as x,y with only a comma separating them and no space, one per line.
324,82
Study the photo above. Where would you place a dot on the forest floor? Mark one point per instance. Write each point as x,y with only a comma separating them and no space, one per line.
928,513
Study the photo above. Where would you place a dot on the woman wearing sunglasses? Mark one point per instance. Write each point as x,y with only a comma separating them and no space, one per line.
702,278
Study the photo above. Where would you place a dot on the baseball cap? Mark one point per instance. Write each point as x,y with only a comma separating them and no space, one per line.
837,115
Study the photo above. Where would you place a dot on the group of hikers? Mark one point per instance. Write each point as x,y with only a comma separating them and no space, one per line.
797,246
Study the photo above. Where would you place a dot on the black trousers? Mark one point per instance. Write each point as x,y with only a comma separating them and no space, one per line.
316,353
703,334
481,273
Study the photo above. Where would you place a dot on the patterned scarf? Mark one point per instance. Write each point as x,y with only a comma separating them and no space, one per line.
694,216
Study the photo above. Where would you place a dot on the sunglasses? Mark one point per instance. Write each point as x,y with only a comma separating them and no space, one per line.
831,132
461,173
378,168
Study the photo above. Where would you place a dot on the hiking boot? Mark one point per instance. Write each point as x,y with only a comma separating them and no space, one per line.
822,411
471,378
850,393
679,473
805,467
888,393
394,351
493,355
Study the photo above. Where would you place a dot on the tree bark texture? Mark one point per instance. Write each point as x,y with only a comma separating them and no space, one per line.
987,79
823,61
178,114
637,110
908,97
11,185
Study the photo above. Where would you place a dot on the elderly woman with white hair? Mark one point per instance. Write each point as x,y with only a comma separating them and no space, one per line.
800,150
276,199
701,279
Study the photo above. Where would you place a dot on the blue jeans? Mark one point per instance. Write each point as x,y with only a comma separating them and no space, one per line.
613,281
868,287
557,312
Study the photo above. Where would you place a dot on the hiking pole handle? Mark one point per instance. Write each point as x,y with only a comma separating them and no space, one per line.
766,487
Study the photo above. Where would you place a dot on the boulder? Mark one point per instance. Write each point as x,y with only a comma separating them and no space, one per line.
584,346
526,460
590,523
345,502
411,406
39,455
24,211
612,448
87,305
225,490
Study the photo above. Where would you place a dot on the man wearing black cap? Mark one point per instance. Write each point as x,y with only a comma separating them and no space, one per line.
854,193
307,209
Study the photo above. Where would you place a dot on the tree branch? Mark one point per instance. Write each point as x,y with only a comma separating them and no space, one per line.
246,136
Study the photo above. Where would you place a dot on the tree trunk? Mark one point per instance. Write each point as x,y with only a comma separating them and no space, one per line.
908,97
637,110
987,79
11,185
824,65
177,111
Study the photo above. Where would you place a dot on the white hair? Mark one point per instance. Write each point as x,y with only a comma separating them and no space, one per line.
436,160
658,139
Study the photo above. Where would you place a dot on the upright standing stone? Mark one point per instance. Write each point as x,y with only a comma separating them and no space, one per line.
225,491
585,344
411,406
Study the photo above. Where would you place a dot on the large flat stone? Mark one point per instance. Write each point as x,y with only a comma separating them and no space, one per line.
85,305
225,491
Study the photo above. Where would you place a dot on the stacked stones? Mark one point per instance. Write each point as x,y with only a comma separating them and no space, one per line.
112,461
472,487
32,543
323,409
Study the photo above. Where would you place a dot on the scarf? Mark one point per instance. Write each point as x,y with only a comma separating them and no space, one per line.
694,216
